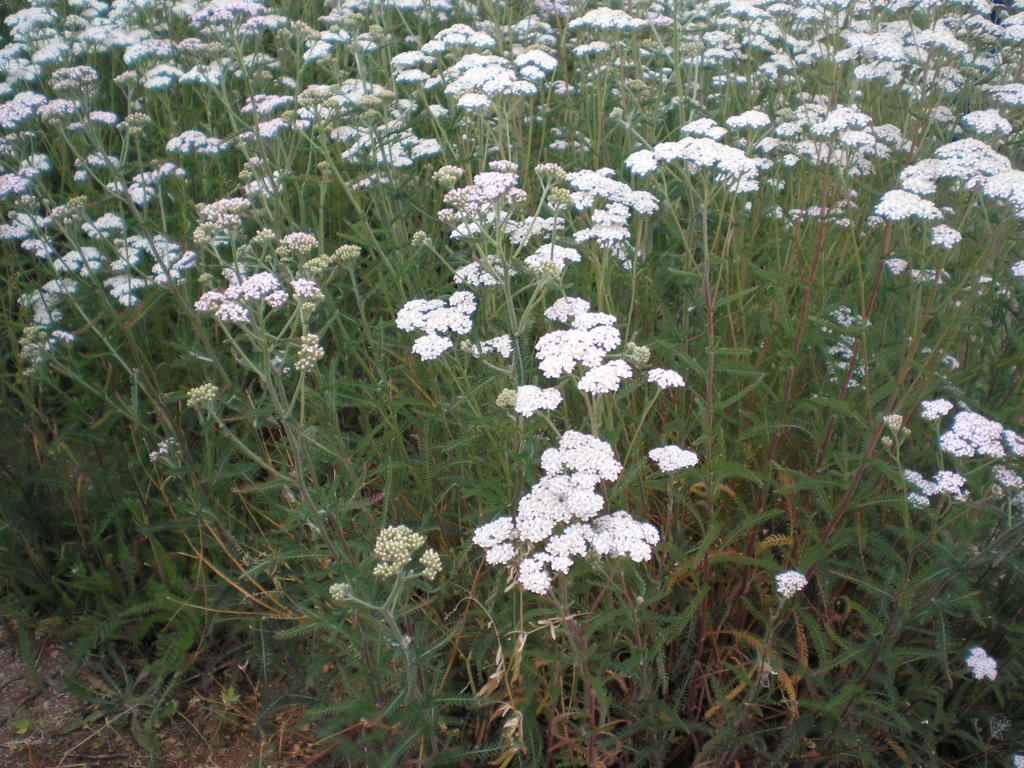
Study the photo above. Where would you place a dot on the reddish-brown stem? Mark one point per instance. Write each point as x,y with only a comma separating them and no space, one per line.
853,358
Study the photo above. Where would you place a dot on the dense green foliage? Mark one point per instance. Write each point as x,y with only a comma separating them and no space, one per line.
783,309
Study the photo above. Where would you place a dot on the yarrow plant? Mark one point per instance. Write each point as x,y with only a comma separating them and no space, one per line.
487,369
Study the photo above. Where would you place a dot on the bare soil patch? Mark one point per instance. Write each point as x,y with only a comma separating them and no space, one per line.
50,727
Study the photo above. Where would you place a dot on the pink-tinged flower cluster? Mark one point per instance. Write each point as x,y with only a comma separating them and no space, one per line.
254,290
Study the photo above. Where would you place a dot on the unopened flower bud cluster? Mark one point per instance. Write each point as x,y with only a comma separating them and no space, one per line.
394,548
297,244
310,353
200,396
340,592
431,563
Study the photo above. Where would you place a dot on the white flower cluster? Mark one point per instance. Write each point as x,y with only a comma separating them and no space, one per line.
665,379
842,350
306,291
897,205
732,167
967,161
165,451
555,255
203,395
145,186
789,583
458,36
36,342
530,399
672,457
1008,481
387,141
565,498
430,560
605,379
607,18
482,273
987,121
753,119
944,482
224,214
971,434
82,261
480,200
535,65
340,592
477,78
169,261
436,317
982,666
933,410
592,336
198,142
945,237
609,224
500,344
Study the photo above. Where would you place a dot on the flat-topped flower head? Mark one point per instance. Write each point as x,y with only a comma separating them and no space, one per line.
434,317
945,237
480,196
607,18
554,255
987,121
203,395
971,434
706,127
665,379
933,410
565,308
898,205
578,452
530,399
591,338
430,560
458,36
605,379
500,344
619,535
672,458
482,274
789,583
590,185
982,666
751,120
394,548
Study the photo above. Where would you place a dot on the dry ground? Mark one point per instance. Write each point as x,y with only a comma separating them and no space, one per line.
52,728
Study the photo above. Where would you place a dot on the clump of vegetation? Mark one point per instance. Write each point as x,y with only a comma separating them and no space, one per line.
527,384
